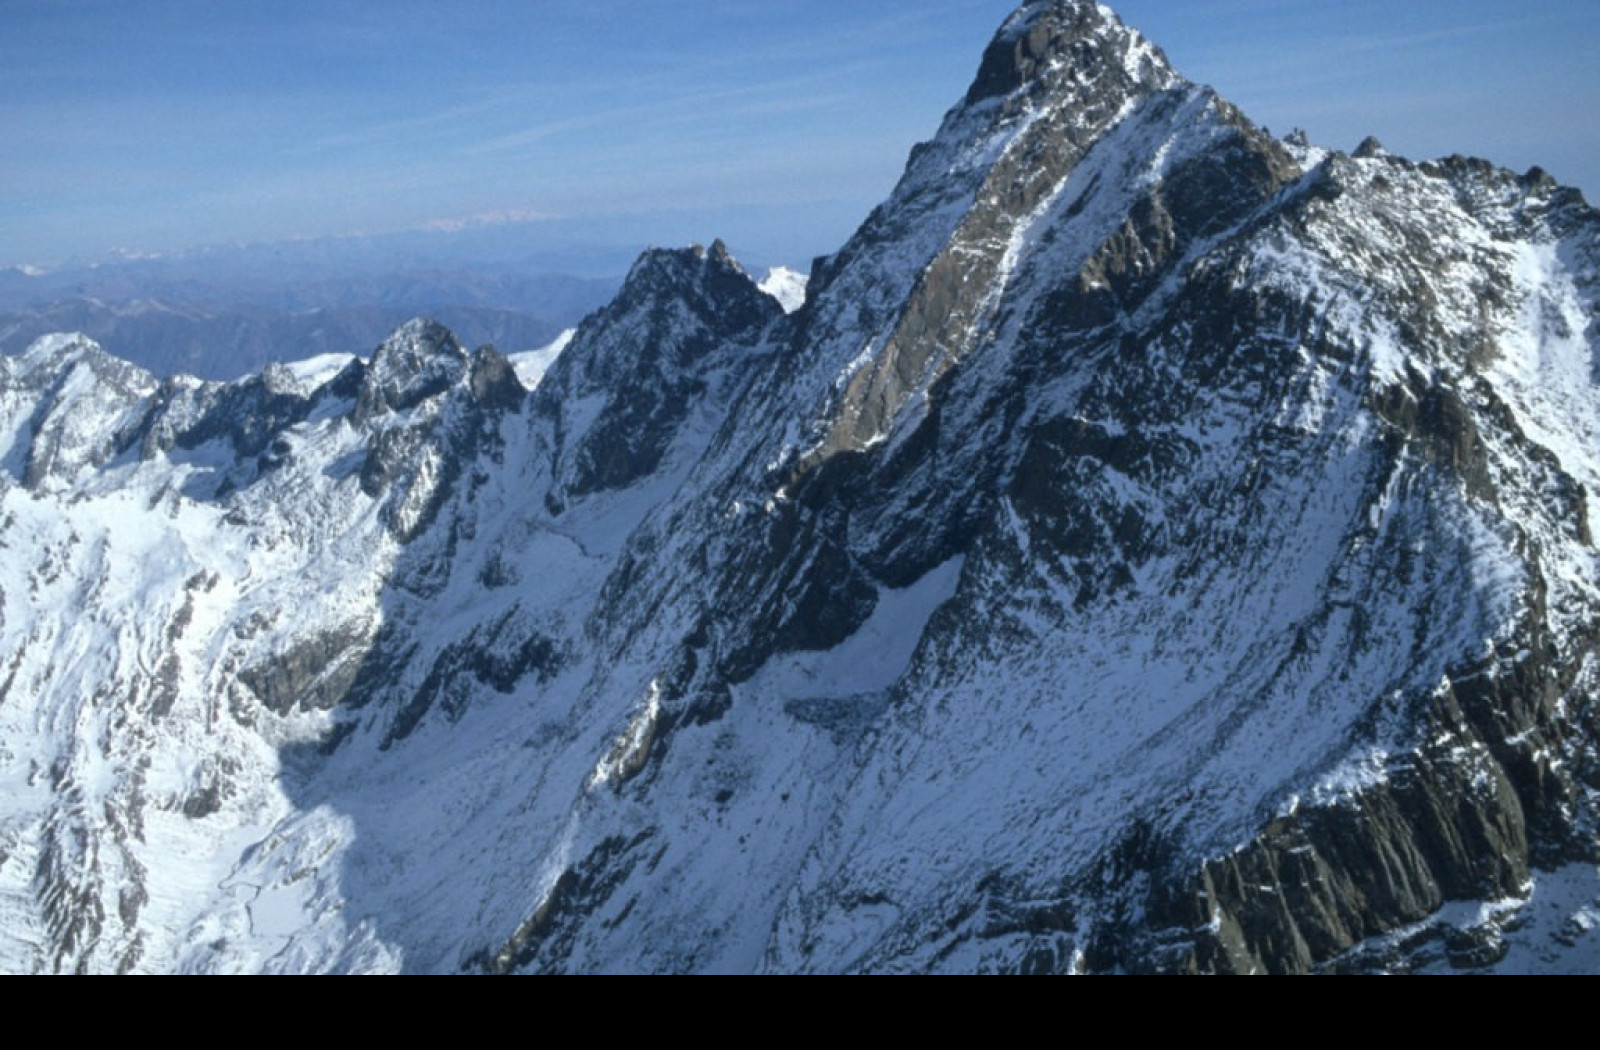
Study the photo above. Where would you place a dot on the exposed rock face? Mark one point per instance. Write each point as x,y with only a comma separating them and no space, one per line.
1152,546
419,361
681,319
74,405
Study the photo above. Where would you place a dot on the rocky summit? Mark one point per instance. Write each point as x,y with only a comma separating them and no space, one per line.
1153,545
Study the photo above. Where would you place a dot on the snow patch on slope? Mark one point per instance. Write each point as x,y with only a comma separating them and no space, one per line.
785,285
531,365
874,657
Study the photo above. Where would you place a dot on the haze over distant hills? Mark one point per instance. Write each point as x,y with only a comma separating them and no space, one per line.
222,312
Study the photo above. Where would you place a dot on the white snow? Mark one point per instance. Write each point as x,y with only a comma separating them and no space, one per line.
531,365
870,660
787,286
312,372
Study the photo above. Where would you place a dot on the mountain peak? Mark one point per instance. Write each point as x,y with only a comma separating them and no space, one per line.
51,356
649,358
420,359
709,281
1050,39
1058,78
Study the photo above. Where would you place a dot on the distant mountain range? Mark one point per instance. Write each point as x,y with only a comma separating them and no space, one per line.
223,314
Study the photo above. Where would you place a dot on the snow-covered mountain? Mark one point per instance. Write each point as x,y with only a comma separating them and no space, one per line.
785,285
1151,545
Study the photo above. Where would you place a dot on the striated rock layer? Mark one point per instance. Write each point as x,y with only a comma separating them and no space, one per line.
1152,545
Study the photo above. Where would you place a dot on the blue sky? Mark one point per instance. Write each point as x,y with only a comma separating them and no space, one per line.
777,125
